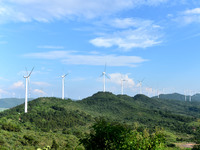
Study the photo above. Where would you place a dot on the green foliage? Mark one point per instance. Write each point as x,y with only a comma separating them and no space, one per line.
29,139
67,121
10,127
54,146
111,135
45,148
196,147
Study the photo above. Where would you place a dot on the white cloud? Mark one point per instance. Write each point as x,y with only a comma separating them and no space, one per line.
3,91
68,57
45,10
131,33
194,11
41,83
18,85
39,92
118,77
129,22
189,16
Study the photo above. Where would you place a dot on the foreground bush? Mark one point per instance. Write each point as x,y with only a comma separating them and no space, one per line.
110,135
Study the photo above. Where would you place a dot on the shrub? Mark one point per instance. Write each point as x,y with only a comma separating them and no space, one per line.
10,127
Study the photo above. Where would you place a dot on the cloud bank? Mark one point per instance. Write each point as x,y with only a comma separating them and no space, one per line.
48,10
72,58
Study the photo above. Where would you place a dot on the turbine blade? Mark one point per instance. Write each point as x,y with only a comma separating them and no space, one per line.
107,76
30,72
142,79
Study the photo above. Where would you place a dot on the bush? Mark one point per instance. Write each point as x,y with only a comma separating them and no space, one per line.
196,147
29,140
111,135
10,127
54,145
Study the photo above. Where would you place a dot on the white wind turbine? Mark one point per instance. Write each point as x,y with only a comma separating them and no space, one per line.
26,90
122,85
140,85
158,93
185,93
63,85
104,78
149,90
190,96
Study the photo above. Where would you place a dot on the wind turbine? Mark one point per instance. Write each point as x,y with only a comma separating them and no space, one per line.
26,90
122,85
140,85
104,78
158,93
190,96
149,90
185,92
63,85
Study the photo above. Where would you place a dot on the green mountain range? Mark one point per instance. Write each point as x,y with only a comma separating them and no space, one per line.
66,121
180,97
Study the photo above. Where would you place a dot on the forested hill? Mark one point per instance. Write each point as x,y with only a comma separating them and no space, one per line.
180,97
46,113
75,117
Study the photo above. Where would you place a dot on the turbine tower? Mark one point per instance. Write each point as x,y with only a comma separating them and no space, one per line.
158,93
104,78
122,85
190,96
140,85
26,90
185,92
63,85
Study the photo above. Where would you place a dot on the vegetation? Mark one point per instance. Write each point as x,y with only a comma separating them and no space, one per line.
112,135
129,123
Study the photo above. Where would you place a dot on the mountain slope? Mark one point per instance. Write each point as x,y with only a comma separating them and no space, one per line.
66,117
180,97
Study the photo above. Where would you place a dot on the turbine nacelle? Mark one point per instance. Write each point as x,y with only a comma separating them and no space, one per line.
28,75
63,76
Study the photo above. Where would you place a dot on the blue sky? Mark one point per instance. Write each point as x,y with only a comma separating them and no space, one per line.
154,40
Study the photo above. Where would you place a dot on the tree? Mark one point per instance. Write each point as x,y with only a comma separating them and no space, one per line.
111,135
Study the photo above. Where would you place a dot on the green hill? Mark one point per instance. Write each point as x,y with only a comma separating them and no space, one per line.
180,97
66,120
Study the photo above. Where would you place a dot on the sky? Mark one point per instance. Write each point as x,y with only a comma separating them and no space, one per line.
154,41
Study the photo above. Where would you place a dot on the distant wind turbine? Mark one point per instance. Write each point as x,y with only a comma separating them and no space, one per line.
190,96
104,78
158,93
26,90
122,85
63,85
149,90
185,92
140,85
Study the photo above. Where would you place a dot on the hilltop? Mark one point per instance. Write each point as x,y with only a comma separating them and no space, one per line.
55,117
